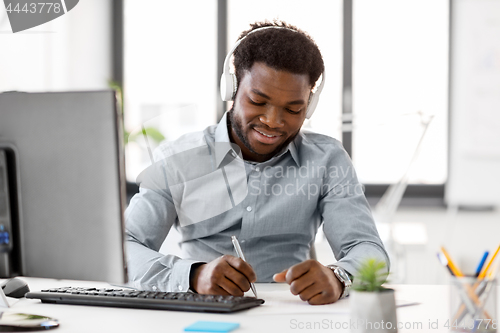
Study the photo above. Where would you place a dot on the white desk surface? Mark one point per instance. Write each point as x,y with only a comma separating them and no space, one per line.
284,313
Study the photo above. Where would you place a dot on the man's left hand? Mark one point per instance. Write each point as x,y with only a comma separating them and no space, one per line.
313,282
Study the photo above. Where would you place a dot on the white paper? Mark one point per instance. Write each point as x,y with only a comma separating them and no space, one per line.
284,302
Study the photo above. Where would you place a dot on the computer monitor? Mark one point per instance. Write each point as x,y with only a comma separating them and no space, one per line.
66,186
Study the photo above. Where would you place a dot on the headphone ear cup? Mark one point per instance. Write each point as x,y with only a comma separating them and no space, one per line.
227,86
313,102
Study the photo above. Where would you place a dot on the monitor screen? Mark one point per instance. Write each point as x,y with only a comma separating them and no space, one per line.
66,183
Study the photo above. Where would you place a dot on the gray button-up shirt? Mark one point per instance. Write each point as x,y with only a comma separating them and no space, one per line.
201,186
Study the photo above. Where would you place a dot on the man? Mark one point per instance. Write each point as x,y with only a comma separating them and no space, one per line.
256,176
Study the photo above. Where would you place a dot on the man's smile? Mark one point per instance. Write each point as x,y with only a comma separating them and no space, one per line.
266,137
263,133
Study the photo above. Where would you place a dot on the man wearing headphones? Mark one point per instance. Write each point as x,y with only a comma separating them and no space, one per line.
257,176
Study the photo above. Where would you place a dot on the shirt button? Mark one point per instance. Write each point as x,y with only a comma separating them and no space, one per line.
249,209
180,288
257,169
155,288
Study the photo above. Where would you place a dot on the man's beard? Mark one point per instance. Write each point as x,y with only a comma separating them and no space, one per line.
238,129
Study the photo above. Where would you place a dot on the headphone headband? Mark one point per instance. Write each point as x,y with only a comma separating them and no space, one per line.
229,84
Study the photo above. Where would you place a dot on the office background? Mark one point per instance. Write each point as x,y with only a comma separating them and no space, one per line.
389,63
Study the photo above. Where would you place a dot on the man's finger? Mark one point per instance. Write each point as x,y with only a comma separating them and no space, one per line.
310,292
230,287
318,299
241,266
280,277
236,277
300,285
218,290
296,271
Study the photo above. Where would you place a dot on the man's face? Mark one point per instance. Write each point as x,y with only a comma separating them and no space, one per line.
269,110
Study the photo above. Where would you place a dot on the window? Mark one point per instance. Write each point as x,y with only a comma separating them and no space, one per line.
400,66
169,72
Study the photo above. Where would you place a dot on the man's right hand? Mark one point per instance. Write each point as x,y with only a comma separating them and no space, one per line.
226,275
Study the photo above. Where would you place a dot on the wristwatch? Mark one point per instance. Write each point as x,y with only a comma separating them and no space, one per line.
344,278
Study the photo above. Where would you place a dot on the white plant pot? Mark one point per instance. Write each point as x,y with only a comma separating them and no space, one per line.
373,311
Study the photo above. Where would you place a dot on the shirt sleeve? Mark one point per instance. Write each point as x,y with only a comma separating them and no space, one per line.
348,223
148,220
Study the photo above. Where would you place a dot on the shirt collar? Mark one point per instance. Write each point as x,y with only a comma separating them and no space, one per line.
292,147
223,145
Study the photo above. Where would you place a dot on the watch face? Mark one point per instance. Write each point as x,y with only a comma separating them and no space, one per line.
344,279
340,274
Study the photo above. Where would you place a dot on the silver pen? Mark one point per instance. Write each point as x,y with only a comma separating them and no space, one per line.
240,254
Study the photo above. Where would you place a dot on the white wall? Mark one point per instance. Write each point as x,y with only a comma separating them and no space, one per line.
72,52
474,177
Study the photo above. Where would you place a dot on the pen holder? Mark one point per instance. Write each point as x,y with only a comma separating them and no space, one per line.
473,305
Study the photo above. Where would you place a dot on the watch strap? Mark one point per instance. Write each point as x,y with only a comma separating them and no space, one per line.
344,277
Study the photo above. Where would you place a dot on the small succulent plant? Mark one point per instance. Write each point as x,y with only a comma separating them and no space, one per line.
371,275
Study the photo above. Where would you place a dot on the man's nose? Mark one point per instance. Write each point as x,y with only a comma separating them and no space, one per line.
272,117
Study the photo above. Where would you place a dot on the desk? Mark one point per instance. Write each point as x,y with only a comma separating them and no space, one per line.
74,319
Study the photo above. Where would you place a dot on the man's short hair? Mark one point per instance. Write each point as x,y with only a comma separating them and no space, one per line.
281,49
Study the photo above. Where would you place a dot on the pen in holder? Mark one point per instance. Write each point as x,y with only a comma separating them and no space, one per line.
473,304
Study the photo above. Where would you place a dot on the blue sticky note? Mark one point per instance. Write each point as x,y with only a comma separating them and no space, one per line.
211,326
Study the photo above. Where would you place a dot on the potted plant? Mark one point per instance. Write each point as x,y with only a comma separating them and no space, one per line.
373,307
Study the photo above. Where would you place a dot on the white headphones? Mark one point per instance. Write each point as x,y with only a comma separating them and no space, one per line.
229,84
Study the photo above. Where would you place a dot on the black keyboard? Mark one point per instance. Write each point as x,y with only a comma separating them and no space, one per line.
128,298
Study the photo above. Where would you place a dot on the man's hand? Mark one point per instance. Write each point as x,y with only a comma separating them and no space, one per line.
226,275
313,282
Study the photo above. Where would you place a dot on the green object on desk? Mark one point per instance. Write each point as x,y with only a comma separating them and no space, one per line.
211,326
371,276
